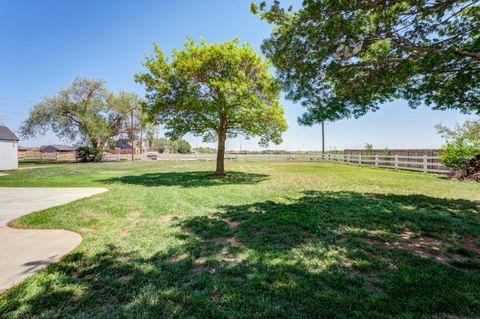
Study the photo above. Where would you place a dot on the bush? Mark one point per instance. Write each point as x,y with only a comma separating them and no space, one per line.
181,146
457,153
88,154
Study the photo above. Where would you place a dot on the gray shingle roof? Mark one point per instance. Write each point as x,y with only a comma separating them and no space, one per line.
6,134
59,147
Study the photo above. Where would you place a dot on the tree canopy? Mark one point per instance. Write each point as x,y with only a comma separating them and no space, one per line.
215,91
85,112
344,58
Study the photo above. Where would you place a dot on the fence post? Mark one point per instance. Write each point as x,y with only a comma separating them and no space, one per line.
396,161
360,159
348,158
425,165
376,159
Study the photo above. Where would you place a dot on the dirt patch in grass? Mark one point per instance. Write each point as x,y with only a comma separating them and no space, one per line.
233,224
471,243
234,241
90,215
176,259
423,246
134,217
165,218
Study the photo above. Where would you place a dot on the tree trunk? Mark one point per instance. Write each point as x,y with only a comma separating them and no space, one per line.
222,136
97,153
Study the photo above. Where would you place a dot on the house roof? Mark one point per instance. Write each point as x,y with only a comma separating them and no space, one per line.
6,134
59,147
123,144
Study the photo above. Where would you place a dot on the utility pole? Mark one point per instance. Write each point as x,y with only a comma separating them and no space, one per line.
323,139
132,135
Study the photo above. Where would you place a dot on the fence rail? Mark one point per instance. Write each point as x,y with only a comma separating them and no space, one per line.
426,164
65,157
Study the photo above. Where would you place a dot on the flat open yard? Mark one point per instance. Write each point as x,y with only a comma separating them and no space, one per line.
271,240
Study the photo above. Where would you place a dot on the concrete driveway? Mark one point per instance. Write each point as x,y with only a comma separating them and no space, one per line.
25,252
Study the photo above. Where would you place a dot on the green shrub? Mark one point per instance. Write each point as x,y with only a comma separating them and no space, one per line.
457,153
180,146
88,154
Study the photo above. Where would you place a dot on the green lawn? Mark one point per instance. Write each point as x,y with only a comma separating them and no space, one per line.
271,240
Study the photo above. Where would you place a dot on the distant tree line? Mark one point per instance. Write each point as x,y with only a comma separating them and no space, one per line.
205,150
165,145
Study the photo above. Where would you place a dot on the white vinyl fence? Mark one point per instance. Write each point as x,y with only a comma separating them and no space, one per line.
426,164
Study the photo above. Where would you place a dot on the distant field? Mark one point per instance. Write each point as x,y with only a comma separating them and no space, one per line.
270,240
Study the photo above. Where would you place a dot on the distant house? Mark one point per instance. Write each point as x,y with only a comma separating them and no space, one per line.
8,149
57,149
123,147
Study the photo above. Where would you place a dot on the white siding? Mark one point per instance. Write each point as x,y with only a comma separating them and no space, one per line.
8,155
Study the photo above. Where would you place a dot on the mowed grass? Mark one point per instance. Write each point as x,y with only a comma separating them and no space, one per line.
271,240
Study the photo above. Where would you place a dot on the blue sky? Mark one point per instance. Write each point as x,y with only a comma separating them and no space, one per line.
45,44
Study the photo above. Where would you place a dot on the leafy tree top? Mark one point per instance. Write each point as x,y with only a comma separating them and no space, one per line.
345,58
469,131
212,90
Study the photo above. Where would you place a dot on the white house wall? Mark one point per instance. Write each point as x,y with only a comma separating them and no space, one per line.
8,155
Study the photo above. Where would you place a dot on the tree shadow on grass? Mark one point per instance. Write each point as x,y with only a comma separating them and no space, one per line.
304,257
188,179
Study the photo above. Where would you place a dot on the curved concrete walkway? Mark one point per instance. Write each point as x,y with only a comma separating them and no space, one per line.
24,252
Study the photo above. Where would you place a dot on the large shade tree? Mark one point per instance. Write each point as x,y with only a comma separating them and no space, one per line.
343,58
215,91
86,112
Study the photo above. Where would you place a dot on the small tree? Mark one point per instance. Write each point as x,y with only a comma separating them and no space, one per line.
86,111
457,153
161,145
463,143
215,91
369,149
